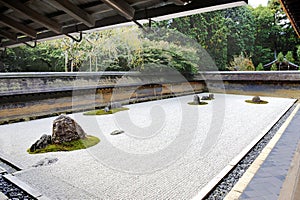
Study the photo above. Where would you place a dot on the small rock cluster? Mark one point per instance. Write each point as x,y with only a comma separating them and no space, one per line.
197,100
112,105
65,129
209,97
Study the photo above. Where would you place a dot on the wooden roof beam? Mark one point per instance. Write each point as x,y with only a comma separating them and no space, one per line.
17,26
180,2
32,14
11,36
122,7
74,11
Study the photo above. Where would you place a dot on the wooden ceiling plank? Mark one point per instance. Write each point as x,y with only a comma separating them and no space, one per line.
11,36
178,2
74,11
17,26
122,7
32,14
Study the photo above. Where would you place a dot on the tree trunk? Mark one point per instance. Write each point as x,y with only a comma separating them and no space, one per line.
96,67
90,63
66,61
72,65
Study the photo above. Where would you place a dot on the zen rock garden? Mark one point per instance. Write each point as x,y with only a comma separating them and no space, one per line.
256,100
67,135
197,99
111,108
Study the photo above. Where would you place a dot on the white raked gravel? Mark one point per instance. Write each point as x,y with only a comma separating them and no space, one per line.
170,150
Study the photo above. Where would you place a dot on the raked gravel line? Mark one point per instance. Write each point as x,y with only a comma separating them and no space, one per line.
102,171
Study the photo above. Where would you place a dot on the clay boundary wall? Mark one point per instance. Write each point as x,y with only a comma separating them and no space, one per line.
25,96
267,83
29,96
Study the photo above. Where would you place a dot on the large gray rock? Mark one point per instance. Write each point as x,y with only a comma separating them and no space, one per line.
65,129
41,143
196,100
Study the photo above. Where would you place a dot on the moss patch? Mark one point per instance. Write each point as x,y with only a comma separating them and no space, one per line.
69,146
201,103
102,112
260,102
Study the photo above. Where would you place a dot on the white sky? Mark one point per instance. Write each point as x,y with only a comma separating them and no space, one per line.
255,3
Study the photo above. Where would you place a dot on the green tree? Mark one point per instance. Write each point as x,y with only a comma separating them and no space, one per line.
289,56
209,30
280,57
260,67
274,67
241,63
285,37
44,57
264,35
241,36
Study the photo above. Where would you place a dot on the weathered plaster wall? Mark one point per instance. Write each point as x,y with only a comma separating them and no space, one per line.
31,95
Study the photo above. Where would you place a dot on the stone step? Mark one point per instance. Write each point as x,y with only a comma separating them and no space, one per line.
3,196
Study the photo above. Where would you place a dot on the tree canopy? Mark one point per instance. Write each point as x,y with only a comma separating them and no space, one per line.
206,41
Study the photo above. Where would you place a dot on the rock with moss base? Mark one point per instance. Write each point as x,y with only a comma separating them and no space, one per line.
209,97
65,129
196,100
256,99
112,105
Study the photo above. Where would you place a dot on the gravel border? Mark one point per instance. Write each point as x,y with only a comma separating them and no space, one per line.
9,189
227,183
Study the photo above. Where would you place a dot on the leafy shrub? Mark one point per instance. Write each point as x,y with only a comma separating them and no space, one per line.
241,63
280,57
260,67
289,56
274,67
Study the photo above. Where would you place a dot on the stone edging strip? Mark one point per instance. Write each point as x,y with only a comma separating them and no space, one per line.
211,185
2,170
29,190
241,185
287,191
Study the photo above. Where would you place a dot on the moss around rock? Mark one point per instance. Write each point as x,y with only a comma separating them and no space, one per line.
194,104
84,143
256,102
103,112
